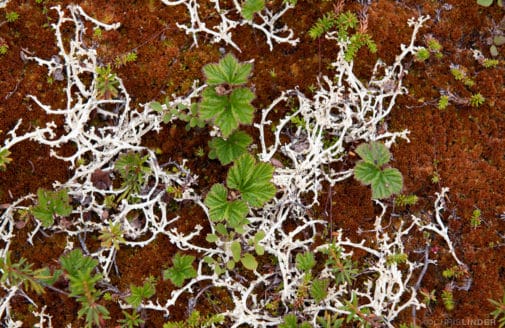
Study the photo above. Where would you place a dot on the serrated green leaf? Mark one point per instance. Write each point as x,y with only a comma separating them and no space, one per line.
249,262
228,71
227,150
366,172
305,262
374,152
387,183
51,203
252,180
319,289
222,209
140,293
236,250
182,269
227,111
251,7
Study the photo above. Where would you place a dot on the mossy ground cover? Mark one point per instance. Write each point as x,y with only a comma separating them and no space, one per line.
461,146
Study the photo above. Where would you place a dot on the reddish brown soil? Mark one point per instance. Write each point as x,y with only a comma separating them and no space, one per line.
464,146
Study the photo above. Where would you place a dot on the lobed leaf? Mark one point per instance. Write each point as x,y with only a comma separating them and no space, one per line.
251,7
374,152
222,209
182,269
387,183
227,150
252,180
228,71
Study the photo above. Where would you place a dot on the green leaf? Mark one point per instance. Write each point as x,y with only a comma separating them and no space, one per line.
305,262
211,238
236,250
319,289
485,3
374,152
139,293
227,150
156,106
251,7
290,321
182,269
387,183
249,262
252,180
228,71
51,203
222,209
366,173
74,262
227,111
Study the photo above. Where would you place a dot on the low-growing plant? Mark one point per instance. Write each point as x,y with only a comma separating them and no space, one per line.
51,204
443,102
140,293
106,83
250,7
369,171
403,200
185,113
131,320
448,298
125,59
476,100
197,320
11,16
291,321
499,311
112,236
134,173
181,269
82,285
344,22
476,218
229,149
4,158
487,3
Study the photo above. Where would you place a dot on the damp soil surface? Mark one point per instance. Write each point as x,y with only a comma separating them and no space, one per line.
461,147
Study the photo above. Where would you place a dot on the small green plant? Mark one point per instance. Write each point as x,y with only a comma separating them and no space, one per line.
428,297
248,260
422,54
291,321
252,180
51,204
343,268
3,48
487,3
11,16
140,293
490,63
448,298
223,101
134,173
476,218
131,320
112,236
499,311
397,258
181,112
182,269
344,22
251,7
106,83
476,100
459,74
125,59
196,320
229,149
384,181
21,273
403,200
498,40
443,102
4,159
82,284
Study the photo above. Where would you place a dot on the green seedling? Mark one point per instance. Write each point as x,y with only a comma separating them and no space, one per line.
51,204
140,293
369,171
106,83
182,269
223,101
134,173
4,159
499,311
229,149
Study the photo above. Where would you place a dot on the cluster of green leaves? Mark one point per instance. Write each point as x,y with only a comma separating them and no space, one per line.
403,200
125,59
82,285
252,181
250,7
448,298
181,269
344,22
476,218
196,320
188,114
106,83
369,171
134,173
498,40
477,100
433,47
112,236
51,204
11,16
247,185
21,273
140,293
499,311
459,74
4,158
